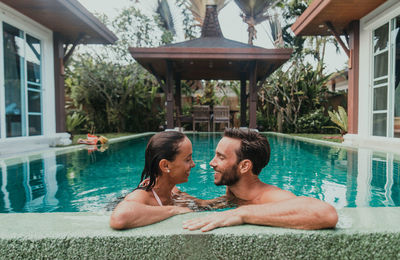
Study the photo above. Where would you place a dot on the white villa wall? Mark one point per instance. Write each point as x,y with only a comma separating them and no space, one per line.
368,23
49,136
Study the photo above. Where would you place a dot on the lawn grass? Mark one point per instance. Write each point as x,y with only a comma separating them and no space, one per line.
108,135
321,137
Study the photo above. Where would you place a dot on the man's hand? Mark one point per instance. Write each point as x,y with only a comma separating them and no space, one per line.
181,210
216,220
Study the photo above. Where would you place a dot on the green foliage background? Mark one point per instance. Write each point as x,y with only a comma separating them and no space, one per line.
108,91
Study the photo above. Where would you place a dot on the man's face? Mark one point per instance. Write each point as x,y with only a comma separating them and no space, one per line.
224,162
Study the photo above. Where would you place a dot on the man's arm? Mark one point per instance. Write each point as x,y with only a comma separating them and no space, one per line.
133,212
186,200
296,212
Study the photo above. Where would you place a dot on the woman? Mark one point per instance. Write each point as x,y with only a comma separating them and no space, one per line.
168,161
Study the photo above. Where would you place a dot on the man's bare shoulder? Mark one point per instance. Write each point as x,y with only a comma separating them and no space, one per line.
271,193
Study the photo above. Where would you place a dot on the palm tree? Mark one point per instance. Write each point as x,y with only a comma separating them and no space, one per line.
166,17
276,31
254,12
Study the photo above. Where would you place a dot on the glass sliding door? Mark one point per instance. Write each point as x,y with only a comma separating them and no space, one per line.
33,58
23,83
14,75
380,80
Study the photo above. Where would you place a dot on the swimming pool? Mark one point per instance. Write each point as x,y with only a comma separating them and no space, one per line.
83,181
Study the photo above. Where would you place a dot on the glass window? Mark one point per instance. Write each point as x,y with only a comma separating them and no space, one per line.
381,65
380,98
381,70
35,125
22,82
34,101
379,124
33,59
381,38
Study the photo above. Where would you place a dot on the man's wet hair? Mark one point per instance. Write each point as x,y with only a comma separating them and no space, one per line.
163,145
253,147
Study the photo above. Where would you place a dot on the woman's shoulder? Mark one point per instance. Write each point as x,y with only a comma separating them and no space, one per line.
139,195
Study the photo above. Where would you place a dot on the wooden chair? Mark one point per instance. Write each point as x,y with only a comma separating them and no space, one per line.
201,114
221,115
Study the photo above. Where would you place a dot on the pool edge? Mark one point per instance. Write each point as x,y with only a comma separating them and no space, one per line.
87,235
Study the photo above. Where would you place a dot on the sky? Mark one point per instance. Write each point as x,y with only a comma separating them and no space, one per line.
231,25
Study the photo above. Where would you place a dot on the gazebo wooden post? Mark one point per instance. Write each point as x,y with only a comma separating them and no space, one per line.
253,95
178,99
170,96
243,101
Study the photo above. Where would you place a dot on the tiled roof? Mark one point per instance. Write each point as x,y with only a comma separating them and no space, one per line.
211,26
211,42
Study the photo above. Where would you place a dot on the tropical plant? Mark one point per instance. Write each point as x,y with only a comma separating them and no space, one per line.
166,17
293,93
209,97
312,122
190,28
115,93
290,10
276,31
340,119
74,122
254,12
116,97
166,21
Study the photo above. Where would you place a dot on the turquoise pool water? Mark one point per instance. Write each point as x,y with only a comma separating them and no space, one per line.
82,181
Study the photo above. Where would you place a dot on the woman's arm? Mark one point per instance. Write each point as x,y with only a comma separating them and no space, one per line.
134,212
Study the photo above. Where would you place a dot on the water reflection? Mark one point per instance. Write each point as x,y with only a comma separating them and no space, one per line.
82,181
343,178
29,186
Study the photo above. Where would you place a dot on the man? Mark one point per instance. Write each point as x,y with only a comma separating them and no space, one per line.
239,158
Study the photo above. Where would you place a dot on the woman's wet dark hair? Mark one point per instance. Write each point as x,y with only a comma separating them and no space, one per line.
163,145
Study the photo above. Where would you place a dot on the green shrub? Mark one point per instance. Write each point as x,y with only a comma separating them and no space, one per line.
312,122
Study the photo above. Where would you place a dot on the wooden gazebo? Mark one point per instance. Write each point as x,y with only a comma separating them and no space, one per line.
211,57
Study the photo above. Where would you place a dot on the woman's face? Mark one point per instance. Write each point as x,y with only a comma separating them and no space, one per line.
183,163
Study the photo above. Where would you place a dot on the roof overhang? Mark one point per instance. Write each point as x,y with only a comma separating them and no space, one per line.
338,12
210,63
67,17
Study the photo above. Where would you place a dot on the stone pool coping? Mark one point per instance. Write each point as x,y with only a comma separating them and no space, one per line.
362,233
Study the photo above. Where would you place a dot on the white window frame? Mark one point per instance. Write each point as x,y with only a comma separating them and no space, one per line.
388,76
386,16
29,26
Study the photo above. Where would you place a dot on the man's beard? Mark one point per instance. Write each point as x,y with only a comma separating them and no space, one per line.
229,176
